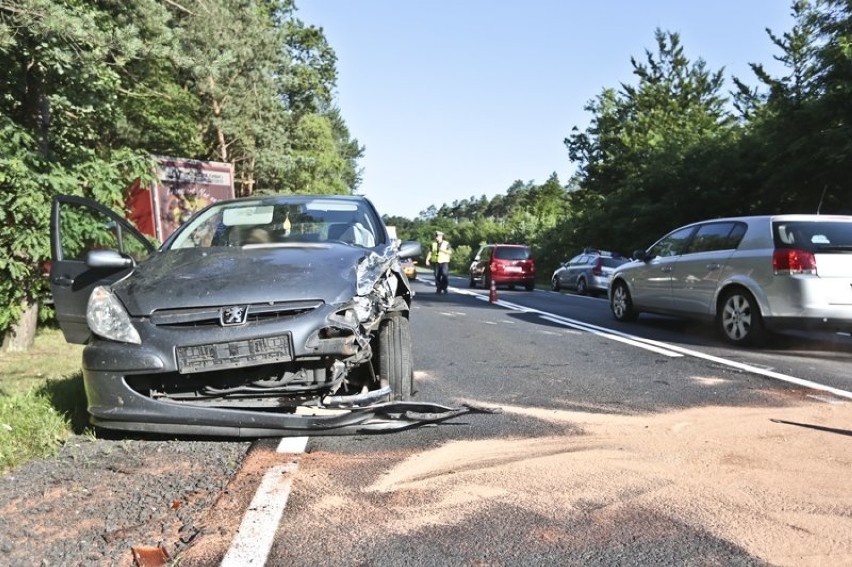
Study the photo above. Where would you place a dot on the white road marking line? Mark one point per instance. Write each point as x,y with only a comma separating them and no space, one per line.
675,350
613,337
256,533
292,445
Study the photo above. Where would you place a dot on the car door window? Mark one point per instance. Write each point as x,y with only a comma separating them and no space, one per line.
715,236
85,228
672,244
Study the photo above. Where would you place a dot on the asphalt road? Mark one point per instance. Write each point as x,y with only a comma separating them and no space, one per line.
651,443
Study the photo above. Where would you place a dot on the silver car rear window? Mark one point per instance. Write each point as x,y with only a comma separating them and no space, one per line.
813,235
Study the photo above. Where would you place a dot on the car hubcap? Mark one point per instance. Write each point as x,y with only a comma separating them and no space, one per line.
619,302
736,317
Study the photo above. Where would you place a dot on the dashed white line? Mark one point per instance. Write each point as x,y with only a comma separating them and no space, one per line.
256,533
665,348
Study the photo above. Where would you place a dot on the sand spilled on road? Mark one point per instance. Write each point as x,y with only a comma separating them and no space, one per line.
775,481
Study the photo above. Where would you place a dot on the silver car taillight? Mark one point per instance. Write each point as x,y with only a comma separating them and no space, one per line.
791,261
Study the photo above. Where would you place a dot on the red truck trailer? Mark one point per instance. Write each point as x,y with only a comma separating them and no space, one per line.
182,186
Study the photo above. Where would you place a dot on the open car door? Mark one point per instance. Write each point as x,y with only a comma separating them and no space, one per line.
79,226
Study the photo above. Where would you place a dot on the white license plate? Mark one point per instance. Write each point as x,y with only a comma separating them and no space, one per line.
234,354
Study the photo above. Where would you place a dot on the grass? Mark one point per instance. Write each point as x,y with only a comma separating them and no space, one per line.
42,402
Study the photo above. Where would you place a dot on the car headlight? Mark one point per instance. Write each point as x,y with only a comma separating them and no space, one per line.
108,318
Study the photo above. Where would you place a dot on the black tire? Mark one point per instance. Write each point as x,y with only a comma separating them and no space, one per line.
582,288
621,303
394,356
554,284
739,320
471,283
529,286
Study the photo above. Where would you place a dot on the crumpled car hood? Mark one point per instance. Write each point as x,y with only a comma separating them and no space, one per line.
222,276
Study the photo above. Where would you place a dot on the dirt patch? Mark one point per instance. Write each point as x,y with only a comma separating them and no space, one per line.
221,522
99,499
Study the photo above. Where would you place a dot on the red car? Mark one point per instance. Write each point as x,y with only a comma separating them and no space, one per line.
504,264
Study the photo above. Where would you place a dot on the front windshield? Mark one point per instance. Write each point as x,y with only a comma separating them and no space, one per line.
270,222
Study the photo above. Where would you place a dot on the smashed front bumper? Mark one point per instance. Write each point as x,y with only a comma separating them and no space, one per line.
384,417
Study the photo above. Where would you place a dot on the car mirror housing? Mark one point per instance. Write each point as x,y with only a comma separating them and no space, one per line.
641,255
410,249
107,259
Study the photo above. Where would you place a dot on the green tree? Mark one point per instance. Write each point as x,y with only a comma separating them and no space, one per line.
792,145
91,89
640,160
63,67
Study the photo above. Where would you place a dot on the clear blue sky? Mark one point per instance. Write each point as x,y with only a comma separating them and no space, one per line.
460,98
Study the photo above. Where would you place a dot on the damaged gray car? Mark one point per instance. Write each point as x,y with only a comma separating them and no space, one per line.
268,316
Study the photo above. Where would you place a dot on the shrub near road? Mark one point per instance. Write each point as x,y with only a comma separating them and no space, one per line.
41,399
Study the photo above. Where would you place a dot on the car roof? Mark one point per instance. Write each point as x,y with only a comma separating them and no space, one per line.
297,198
779,217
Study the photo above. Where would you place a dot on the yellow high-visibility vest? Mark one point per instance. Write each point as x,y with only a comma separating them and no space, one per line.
441,253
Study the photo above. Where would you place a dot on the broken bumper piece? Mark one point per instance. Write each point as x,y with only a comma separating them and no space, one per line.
396,416
384,417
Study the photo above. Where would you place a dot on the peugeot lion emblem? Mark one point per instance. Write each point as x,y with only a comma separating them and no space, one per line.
230,316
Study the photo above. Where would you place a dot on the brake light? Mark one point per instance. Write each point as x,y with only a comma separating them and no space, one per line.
789,261
597,269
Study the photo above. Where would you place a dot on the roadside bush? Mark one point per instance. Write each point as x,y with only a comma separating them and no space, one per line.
460,260
30,428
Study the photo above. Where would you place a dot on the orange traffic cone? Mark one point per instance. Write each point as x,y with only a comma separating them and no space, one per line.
492,293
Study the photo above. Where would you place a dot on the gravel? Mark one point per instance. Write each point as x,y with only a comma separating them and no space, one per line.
98,499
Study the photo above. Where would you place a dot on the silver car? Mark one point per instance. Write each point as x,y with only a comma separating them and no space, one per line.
748,274
587,273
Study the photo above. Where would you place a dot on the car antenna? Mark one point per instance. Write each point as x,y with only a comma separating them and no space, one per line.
821,197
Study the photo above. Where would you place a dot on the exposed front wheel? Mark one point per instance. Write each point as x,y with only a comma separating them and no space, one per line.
739,319
554,283
621,304
582,288
394,356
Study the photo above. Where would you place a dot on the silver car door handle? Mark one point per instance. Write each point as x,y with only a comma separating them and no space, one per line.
714,266
63,281
666,269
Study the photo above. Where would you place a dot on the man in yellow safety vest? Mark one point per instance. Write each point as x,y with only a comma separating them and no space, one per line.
439,256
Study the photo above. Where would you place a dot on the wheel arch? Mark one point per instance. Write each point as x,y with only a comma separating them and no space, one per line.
742,284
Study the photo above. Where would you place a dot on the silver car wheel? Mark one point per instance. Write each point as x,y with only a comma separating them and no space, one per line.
739,319
736,318
621,304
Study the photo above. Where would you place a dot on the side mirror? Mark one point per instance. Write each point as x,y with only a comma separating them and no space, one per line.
410,249
641,255
107,259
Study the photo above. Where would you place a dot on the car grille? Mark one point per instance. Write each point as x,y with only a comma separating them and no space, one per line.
211,316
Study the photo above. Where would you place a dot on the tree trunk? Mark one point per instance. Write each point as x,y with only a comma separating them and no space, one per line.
21,336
